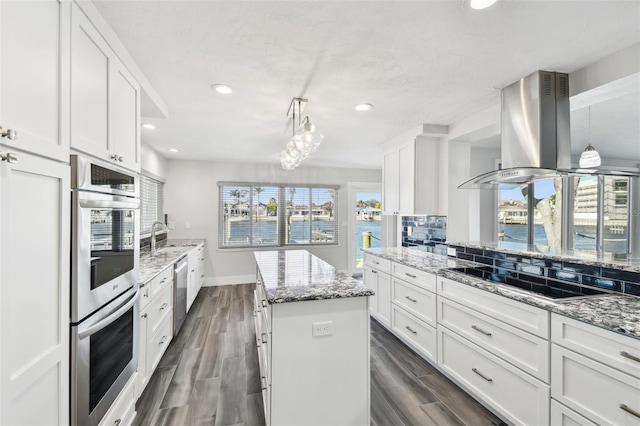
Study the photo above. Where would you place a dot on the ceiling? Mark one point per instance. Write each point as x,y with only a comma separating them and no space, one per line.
417,62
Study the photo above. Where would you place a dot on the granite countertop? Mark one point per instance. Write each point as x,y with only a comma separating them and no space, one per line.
428,262
166,254
615,312
297,275
622,262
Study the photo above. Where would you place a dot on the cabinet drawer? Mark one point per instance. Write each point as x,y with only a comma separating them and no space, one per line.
521,349
122,411
263,357
378,263
158,343
160,281
264,307
594,390
417,334
416,300
159,308
414,276
563,416
612,349
522,399
525,317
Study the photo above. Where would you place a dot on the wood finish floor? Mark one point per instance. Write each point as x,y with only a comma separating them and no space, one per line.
209,375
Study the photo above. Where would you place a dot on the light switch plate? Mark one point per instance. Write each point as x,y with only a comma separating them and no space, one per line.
187,225
451,251
172,225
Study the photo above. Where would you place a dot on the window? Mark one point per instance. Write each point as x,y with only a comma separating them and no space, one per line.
152,202
272,215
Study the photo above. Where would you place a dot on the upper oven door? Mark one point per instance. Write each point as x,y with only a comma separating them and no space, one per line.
105,249
92,175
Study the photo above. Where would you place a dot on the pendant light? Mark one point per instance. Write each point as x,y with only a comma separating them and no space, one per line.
305,140
589,157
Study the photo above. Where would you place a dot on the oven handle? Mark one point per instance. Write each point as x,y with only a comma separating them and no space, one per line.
112,203
111,318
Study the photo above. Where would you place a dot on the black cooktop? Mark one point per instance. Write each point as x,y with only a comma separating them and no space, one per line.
552,289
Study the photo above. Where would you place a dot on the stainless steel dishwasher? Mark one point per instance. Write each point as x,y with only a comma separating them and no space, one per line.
180,272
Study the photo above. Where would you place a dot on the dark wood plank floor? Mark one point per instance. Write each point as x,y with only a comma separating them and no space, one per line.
209,374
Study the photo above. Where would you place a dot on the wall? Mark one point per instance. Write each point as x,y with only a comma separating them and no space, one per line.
191,195
482,202
153,162
458,172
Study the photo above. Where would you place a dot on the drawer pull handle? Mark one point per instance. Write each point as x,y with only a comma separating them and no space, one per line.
264,303
264,337
377,263
488,379
163,280
410,275
374,272
164,339
263,382
631,411
164,305
411,299
117,422
628,355
486,333
411,330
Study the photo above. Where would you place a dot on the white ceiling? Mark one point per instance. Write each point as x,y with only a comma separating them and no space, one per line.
417,62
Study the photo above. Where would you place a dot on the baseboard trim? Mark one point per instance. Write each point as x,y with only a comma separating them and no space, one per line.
235,279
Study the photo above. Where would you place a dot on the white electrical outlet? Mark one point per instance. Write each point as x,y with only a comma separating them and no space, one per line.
322,328
451,251
172,225
187,225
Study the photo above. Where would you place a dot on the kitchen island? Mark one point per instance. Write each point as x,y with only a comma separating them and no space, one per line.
312,333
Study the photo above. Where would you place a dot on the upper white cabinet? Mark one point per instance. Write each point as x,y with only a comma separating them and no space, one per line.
105,98
34,80
410,178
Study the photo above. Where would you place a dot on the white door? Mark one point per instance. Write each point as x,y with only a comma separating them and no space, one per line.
34,80
364,217
124,105
34,291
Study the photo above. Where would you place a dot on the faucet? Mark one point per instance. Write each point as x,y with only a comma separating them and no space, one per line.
153,234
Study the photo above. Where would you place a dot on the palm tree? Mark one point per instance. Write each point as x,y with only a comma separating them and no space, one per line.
258,190
237,194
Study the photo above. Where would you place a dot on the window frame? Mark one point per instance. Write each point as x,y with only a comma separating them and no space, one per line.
159,201
281,216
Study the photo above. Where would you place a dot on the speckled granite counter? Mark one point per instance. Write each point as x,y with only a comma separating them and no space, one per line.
424,261
297,275
165,255
615,312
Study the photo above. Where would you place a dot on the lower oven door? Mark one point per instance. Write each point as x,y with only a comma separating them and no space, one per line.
104,356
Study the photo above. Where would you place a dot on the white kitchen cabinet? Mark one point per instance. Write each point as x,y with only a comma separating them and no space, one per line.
155,325
123,409
200,268
410,177
194,281
105,98
564,416
377,278
34,291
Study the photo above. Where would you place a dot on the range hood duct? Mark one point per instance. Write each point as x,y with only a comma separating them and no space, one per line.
535,134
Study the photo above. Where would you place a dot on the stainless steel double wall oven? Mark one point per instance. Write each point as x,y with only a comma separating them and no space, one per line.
105,250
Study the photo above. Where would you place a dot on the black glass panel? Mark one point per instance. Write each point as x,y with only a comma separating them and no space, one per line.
111,179
112,244
111,351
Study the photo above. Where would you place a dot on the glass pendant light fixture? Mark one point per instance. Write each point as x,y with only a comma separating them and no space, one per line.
589,157
306,138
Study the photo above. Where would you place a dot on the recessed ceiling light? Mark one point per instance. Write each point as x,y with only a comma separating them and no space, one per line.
148,126
222,88
481,4
363,107
173,150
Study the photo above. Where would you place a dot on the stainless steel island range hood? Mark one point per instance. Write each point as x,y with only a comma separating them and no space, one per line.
535,134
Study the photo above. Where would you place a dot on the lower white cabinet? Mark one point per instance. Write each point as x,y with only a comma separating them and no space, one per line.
380,283
123,409
155,324
563,416
520,398
313,380
34,290
420,336
195,275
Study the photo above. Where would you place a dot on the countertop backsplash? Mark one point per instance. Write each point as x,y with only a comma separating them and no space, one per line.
425,233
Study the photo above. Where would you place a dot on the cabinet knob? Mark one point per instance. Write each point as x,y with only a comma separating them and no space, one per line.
144,315
9,157
9,134
117,158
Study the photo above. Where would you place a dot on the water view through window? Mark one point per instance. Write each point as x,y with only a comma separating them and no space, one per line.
368,223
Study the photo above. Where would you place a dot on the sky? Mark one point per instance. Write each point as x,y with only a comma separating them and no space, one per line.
542,189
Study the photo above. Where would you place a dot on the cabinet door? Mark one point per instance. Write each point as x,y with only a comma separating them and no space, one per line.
34,79
143,376
406,178
124,106
90,63
34,291
200,269
390,183
384,298
371,281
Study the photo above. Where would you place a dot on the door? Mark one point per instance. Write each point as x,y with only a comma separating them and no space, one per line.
365,220
124,105
34,80
34,291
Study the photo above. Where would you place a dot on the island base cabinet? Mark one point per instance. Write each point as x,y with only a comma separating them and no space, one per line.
600,393
415,333
563,416
123,410
518,397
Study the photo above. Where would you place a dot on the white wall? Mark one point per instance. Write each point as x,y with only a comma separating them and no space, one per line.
482,202
458,171
191,195
153,162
